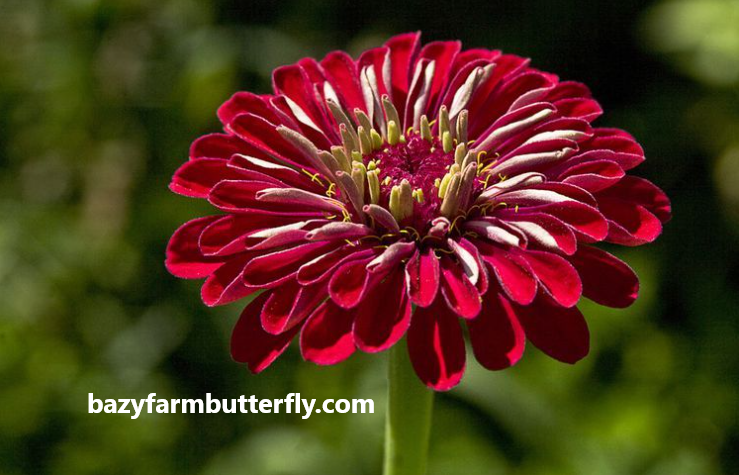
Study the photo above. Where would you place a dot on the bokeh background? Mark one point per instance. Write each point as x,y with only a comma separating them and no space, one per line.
99,100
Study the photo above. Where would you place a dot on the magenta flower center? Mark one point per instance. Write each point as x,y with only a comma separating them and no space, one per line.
423,164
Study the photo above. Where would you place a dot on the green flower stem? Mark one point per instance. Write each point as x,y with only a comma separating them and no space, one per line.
408,419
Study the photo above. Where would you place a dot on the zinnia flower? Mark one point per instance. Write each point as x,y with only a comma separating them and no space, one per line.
411,192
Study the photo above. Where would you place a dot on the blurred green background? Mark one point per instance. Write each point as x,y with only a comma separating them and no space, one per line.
99,100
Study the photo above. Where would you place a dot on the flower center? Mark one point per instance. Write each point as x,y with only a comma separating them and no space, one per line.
422,163
427,173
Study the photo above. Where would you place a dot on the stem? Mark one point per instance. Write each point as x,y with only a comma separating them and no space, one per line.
408,420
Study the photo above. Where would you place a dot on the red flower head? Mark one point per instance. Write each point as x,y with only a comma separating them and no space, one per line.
464,184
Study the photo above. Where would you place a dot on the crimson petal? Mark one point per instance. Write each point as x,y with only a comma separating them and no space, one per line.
436,346
513,273
422,277
384,315
496,335
558,277
289,304
459,293
184,259
350,283
605,279
327,338
252,345
225,285
269,270
561,333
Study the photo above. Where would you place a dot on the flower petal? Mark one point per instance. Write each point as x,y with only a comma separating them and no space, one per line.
586,221
403,50
593,175
184,259
327,337
422,277
384,315
442,53
459,293
513,273
605,279
496,335
196,178
350,283
544,230
216,146
341,72
557,276
561,333
289,305
270,270
225,285
630,224
250,344
436,346
243,102
323,266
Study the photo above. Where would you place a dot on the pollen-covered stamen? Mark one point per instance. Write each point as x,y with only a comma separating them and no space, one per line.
462,124
401,201
341,158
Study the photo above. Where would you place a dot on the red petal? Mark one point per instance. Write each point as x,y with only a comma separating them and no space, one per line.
626,151
458,291
267,170
327,337
436,346
605,279
289,304
272,269
513,273
243,102
184,258
251,344
557,276
384,315
216,146
350,283
561,333
497,338
277,307
196,178
593,175
264,136
422,274
630,224
568,89
323,267
230,234
583,219
403,50
442,53
480,117
341,71
556,234
584,108
482,279
293,82
375,59
508,96
642,192
241,197
225,284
